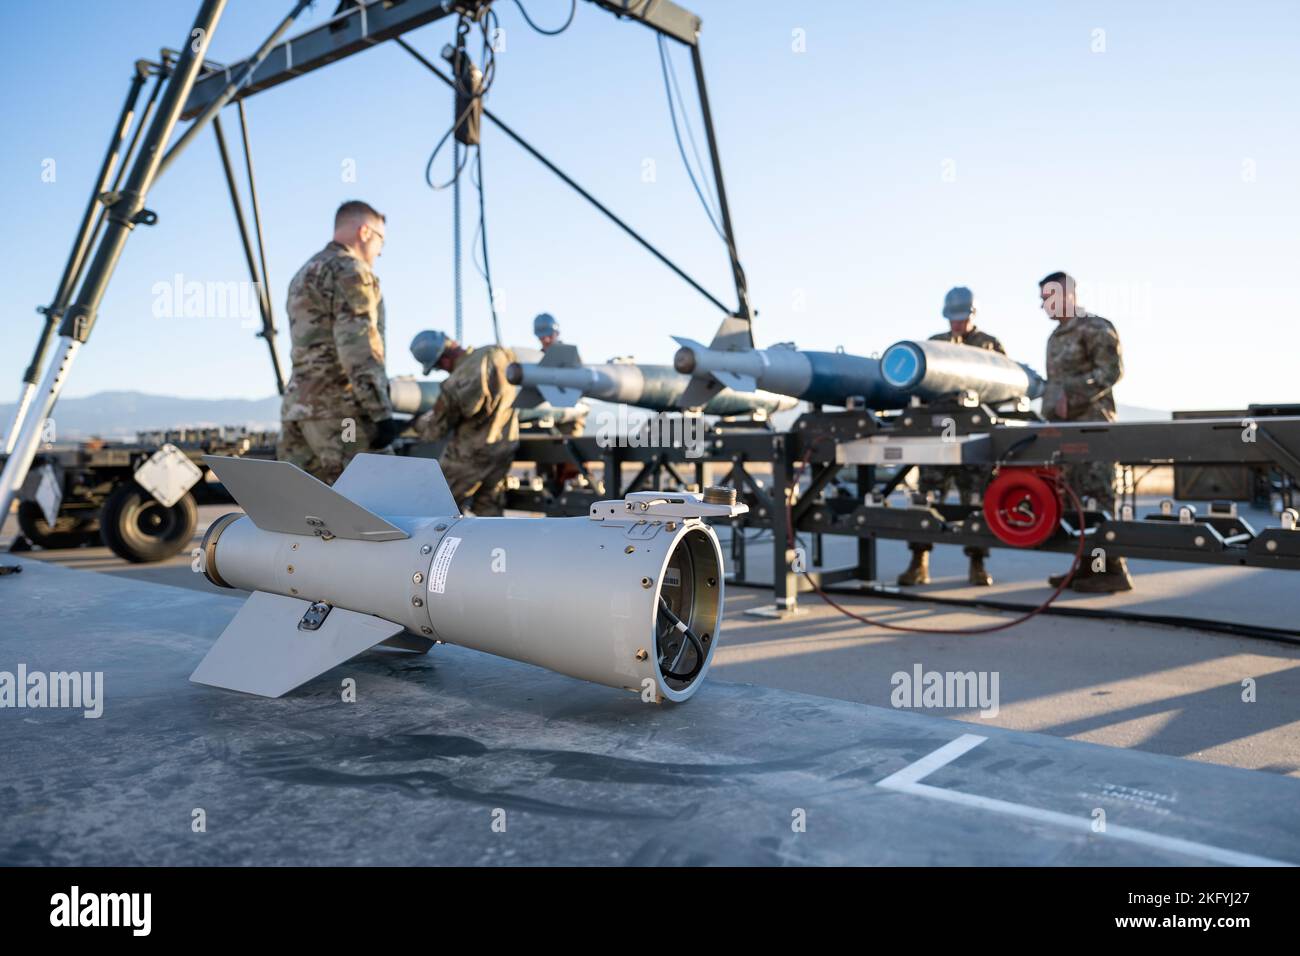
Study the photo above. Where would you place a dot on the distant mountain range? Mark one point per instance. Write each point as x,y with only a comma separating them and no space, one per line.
121,414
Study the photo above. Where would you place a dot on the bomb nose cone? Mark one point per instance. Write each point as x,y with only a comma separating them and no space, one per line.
684,360
515,373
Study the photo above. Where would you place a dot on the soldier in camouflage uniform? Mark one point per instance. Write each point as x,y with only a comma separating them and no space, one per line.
336,403
547,331
1084,362
969,480
476,407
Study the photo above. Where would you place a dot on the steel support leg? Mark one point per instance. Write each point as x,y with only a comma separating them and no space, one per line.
254,272
785,581
866,478
89,222
123,215
268,315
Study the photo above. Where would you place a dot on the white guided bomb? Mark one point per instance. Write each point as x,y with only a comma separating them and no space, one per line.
630,596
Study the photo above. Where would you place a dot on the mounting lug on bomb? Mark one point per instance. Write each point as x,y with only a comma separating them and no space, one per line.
664,504
314,617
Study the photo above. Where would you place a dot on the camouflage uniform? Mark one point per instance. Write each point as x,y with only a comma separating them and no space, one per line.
1083,363
338,388
573,429
476,405
969,480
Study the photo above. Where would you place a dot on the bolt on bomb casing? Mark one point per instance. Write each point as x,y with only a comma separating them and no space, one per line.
607,598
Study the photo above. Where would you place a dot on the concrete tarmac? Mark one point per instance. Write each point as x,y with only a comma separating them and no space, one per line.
1174,691
457,757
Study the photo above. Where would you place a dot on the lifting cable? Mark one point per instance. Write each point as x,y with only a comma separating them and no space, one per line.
486,271
571,182
488,24
573,8
472,96
455,244
670,88
268,331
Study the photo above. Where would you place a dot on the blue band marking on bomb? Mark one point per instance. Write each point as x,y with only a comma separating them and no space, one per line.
838,376
826,378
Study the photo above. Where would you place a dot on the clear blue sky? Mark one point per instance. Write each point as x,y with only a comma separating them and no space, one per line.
910,147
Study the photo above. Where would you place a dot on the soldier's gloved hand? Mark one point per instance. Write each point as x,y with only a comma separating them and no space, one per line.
385,432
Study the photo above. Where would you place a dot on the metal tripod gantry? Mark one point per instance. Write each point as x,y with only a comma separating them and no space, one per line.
185,90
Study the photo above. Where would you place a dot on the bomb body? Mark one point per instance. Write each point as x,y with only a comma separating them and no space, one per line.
824,378
655,387
332,577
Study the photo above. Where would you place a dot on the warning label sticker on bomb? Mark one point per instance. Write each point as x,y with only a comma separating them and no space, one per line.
442,564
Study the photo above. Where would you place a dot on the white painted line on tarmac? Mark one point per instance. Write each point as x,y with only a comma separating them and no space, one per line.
928,764
908,780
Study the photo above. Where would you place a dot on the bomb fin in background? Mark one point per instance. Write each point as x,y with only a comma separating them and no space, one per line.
559,355
734,334
721,377
396,485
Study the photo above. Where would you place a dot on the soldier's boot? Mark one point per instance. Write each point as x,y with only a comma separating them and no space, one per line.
1114,579
918,572
1085,571
978,575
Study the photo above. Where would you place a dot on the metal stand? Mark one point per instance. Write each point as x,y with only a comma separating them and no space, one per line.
125,211
255,271
91,221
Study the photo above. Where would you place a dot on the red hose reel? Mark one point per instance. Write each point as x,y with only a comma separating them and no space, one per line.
1023,505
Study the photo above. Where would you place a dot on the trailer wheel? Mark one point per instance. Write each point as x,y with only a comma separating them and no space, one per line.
136,528
68,531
